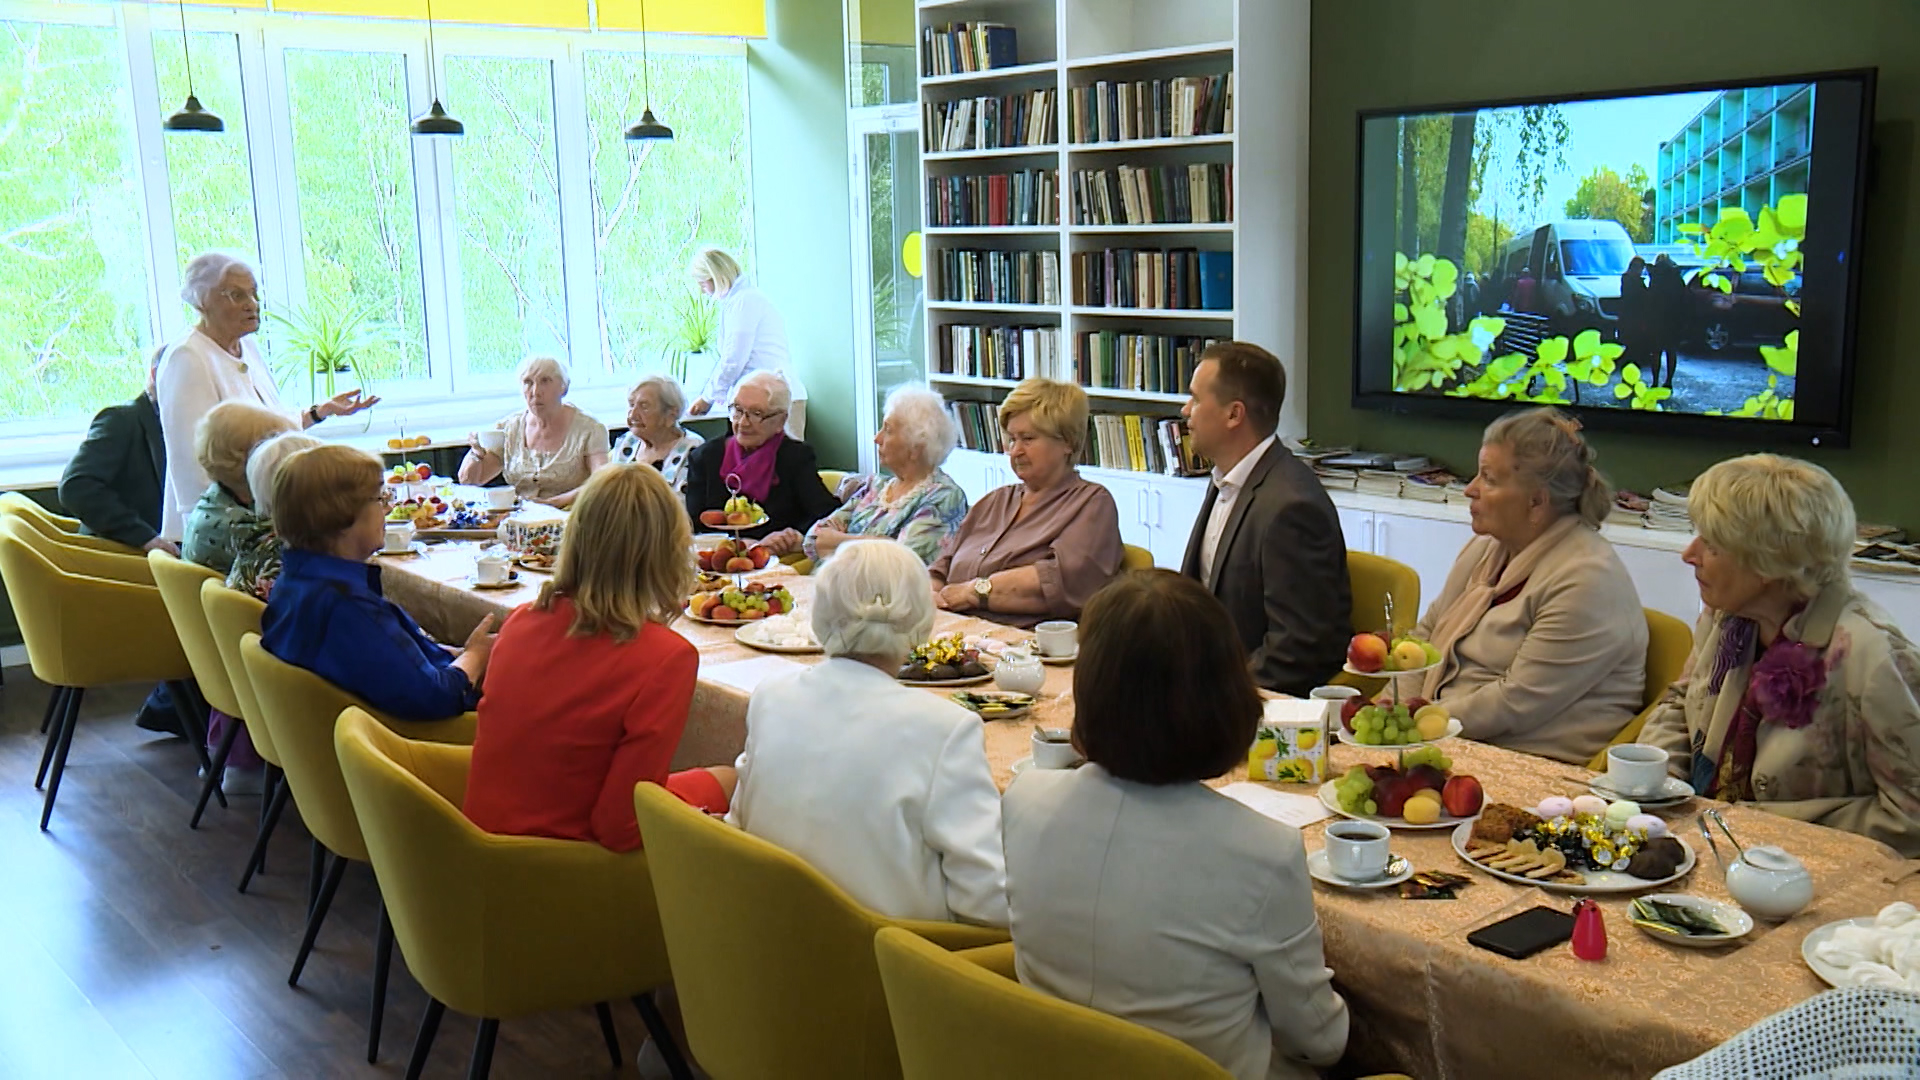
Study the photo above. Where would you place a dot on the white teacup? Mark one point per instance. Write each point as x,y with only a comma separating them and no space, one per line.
491,569
1357,850
1053,753
1636,770
493,441
1057,637
501,498
399,536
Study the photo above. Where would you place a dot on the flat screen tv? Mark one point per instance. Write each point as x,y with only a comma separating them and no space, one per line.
1676,259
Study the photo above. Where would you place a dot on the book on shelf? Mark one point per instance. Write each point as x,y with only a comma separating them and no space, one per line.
1153,195
969,275
1126,360
957,48
988,123
1027,197
997,352
979,423
1175,279
1178,108
1130,442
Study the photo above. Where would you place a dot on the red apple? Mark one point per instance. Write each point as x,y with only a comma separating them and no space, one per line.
1415,704
423,472
1350,710
775,607
1462,797
760,556
1393,795
1426,776
1367,652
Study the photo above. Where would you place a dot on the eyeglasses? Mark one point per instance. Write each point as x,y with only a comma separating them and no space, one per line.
385,498
758,416
237,296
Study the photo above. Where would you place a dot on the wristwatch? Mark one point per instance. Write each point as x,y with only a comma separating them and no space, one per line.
982,588
314,412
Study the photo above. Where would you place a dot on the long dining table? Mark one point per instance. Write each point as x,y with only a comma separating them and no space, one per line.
1423,1000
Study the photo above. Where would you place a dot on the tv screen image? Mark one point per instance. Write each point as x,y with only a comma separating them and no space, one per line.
1679,259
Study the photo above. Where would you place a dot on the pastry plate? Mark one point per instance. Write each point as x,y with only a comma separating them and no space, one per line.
971,680
1330,799
747,634
688,612
1675,793
1454,727
1399,869
536,567
1599,882
737,528
1383,673
1833,976
1723,913
1017,704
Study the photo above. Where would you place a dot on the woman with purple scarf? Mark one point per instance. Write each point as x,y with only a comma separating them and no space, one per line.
1801,697
759,461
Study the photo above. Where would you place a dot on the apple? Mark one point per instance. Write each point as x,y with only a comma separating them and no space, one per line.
775,607
739,565
760,556
1367,652
1392,795
1409,655
755,588
1426,776
1350,709
1462,796
712,517
738,519
423,472
1415,704
723,613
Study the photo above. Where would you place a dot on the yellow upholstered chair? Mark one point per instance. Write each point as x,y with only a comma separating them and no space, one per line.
232,615
59,527
1669,643
179,584
81,632
833,478
299,709
955,1020
497,926
1135,558
773,963
74,552
1380,586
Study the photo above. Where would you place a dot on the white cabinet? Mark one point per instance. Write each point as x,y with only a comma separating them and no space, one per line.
1428,546
1662,580
1132,496
1356,528
1176,506
1900,598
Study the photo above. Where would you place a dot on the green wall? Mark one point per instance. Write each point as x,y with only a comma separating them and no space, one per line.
1384,53
802,215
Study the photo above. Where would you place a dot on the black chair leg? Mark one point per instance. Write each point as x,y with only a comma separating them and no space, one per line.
662,1036
269,787
335,872
316,871
54,699
382,961
483,1050
193,721
257,861
216,772
68,723
57,719
607,1032
423,1042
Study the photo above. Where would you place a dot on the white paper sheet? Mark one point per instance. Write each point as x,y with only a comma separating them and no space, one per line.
744,675
1278,711
1285,807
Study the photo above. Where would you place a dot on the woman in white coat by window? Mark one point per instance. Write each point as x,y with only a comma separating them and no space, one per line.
751,337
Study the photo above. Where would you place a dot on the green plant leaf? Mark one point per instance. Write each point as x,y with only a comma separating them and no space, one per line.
1431,322
1399,312
1586,343
1552,350
1622,390
1631,374
1791,215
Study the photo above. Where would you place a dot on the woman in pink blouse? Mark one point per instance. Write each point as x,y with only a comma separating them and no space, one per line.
1041,548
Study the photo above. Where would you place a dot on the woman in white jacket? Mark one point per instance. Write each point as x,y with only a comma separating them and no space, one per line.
882,787
751,336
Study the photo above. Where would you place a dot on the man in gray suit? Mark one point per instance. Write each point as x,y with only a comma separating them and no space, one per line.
1267,542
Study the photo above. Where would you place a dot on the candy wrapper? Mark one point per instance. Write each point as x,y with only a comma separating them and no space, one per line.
1433,885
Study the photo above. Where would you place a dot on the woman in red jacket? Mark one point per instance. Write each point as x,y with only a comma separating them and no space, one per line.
588,689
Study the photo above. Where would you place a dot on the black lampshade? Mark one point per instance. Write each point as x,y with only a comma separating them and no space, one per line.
435,121
192,117
648,128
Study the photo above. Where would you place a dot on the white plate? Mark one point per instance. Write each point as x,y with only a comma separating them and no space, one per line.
1833,976
1675,793
1454,728
1599,882
1331,800
745,635
1318,866
1725,914
1383,673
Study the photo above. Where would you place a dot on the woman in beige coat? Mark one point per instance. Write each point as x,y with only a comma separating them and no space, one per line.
1801,694
1543,643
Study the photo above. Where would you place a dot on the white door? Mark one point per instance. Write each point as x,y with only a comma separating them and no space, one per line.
1428,546
1664,582
1356,527
1173,505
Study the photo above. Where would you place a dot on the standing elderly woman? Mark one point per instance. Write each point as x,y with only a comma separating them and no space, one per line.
1038,549
551,447
1801,695
654,435
920,506
765,464
218,361
751,336
225,518
256,561
884,788
1542,640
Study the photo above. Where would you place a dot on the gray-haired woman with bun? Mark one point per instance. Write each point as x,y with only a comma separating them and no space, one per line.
1543,643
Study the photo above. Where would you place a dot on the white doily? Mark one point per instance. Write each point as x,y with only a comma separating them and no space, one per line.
1860,1033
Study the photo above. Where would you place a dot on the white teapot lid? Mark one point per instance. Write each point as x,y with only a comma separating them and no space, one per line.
1769,857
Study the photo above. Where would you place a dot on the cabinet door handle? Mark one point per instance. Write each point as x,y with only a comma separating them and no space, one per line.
1379,536
1140,507
1156,509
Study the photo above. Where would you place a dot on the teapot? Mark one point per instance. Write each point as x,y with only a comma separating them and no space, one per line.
1769,882
1019,671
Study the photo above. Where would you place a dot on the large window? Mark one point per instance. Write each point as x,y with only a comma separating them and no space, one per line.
210,180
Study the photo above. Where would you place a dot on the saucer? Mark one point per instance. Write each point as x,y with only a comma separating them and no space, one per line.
415,548
1026,763
512,582
1676,792
1058,660
1399,869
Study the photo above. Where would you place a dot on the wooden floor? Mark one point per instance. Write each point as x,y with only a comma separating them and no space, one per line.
126,952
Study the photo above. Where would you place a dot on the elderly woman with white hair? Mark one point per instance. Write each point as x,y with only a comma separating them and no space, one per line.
750,337
759,460
920,506
550,448
1802,697
218,361
882,787
654,435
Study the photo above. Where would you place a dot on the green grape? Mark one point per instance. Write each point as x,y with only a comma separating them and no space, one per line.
1370,807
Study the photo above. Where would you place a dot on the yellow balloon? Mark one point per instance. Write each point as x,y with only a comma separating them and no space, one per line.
910,254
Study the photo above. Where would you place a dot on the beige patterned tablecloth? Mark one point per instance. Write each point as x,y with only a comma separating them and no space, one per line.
1424,1001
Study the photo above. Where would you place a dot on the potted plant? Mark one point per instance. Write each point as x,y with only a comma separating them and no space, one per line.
695,319
324,339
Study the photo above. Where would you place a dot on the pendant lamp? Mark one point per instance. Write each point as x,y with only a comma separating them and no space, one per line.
648,129
191,117
435,120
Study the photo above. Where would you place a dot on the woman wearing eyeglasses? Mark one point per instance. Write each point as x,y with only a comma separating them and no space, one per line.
218,361
759,461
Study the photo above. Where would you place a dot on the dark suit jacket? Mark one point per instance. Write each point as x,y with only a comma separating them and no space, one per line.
1281,571
113,482
797,500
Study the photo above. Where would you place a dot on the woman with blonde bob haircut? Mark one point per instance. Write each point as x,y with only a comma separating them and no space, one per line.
589,689
1038,549
884,788
1802,696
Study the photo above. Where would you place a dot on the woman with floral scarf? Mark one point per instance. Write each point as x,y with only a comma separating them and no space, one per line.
1801,697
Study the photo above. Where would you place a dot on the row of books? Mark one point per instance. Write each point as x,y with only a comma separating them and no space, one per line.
1153,195
1180,278
969,275
997,352
1150,109
1149,363
1127,442
989,123
961,47
1028,197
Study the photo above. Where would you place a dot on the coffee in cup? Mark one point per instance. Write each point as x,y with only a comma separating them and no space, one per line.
1636,770
1057,637
1357,850
1053,749
399,536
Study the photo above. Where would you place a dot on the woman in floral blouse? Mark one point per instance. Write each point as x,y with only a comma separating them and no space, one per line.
920,506
654,435
1802,697
256,561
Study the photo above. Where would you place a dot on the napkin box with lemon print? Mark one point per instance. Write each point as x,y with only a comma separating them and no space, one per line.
1291,744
